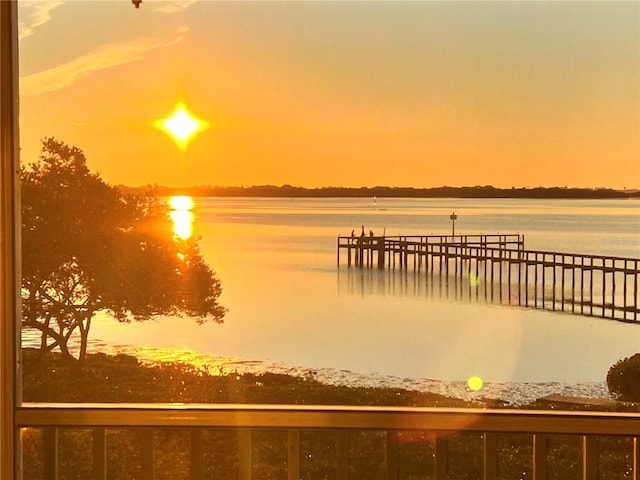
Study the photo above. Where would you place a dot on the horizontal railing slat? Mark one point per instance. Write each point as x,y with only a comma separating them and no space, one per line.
335,417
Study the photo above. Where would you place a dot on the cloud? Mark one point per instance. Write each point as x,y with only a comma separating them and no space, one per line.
98,59
174,6
34,13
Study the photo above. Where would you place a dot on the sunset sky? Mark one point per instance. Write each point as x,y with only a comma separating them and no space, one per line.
351,94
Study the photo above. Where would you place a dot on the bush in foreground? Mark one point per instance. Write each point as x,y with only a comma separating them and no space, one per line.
623,379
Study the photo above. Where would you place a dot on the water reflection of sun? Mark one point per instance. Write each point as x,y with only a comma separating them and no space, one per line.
182,216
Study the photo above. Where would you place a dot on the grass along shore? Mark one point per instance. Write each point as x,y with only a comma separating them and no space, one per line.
157,376
47,377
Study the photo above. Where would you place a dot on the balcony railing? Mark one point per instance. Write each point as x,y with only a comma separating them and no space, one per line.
540,426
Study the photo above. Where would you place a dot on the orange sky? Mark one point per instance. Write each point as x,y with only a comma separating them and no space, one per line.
337,93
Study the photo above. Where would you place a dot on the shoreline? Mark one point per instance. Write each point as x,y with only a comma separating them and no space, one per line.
485,191
511,394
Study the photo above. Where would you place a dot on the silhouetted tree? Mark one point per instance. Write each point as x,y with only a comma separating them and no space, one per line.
87,247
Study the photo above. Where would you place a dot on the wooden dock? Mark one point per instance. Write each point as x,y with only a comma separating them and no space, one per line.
593,285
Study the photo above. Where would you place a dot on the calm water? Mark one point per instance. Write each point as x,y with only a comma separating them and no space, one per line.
289,303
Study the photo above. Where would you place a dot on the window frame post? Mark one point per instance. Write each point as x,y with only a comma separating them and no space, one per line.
10,394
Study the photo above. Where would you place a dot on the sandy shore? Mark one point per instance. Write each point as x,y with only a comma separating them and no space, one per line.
513,393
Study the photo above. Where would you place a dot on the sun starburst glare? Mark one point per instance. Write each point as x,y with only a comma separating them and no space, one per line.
181,125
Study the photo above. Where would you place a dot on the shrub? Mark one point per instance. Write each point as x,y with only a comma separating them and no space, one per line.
623,379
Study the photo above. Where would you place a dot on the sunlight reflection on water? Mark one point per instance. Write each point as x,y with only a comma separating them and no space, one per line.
182,216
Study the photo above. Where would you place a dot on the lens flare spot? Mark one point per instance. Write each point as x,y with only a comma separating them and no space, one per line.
475,383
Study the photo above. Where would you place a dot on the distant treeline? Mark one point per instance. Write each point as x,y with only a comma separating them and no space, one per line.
398,192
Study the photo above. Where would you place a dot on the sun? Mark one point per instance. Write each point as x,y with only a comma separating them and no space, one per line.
181,125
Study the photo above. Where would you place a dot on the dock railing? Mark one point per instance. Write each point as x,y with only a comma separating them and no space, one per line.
360,250
539,426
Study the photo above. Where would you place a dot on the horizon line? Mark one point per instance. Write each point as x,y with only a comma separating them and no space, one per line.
381,187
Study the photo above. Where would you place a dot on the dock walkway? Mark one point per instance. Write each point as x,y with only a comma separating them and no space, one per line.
593,285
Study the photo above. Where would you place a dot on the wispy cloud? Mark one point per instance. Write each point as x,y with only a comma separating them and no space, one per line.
96,60
174,6
34,13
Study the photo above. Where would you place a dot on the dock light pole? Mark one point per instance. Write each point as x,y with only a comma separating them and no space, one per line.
453,218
